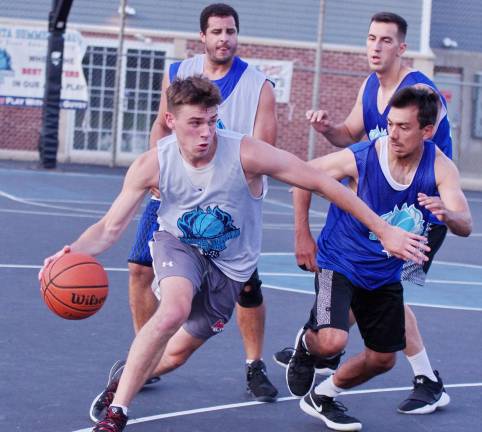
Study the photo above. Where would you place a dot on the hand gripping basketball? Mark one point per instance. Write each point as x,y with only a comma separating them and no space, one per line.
47,261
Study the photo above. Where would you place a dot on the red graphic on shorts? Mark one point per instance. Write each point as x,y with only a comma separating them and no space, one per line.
218,326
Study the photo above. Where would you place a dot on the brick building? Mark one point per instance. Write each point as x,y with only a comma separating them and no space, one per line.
158,32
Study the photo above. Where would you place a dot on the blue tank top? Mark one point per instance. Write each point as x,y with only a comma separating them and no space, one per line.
345,245
227,83
376,123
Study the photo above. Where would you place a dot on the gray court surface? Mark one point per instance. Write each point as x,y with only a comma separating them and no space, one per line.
50,369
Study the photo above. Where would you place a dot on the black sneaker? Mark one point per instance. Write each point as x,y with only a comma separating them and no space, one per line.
330,411
300,373
103,400
323,366
114,421
426,396
258,383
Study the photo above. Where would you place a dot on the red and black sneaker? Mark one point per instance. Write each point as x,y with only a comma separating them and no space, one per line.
103,400
114,421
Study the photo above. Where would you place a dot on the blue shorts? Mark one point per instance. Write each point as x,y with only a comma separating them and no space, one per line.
140,253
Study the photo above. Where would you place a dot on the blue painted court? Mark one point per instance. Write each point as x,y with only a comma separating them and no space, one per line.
50,369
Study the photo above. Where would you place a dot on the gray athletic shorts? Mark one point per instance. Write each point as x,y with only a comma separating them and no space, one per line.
215,294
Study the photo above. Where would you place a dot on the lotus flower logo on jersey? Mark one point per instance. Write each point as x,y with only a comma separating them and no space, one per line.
377,133
407,218
209,230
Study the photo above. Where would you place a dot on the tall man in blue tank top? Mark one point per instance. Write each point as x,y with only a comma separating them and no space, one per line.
248,107
210,232
385,47
408,181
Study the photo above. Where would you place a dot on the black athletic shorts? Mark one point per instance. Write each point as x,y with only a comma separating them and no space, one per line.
379,313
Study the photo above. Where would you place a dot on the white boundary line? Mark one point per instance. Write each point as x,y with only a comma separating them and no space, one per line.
253,403
50,206
291,290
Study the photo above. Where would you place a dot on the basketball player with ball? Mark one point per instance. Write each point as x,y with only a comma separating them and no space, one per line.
209,239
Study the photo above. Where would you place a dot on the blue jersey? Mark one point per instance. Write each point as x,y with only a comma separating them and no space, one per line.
376,123
227,83
345,245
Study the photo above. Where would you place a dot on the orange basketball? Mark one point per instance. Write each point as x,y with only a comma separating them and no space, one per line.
74,286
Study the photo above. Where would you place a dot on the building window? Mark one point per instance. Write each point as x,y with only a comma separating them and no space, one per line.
142,94
139,99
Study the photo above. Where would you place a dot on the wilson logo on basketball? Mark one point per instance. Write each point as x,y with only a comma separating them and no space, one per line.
87,300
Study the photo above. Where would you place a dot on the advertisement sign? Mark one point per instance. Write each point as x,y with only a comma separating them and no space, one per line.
278,71
23,53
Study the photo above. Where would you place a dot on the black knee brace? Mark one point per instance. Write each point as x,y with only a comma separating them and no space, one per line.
251,295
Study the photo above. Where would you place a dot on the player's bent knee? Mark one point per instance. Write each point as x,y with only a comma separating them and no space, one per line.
140,271
382,362
170,322
327,342
251,295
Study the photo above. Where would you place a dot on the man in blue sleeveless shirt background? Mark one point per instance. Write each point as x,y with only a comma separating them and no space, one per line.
385,47
407,180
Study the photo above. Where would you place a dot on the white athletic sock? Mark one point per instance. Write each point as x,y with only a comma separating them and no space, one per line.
122,407
421,365
328,388
249,361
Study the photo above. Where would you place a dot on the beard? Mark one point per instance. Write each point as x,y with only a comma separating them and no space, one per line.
221,59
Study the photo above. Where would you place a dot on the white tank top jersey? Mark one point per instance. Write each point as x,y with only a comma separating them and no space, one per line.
223,220
238,111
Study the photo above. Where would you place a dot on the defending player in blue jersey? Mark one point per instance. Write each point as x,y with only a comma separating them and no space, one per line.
406,180
385,47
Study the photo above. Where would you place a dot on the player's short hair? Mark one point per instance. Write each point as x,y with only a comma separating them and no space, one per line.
217,10
194,90
390,17
424,99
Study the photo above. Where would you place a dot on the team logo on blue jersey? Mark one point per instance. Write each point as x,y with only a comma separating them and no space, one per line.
408,218
208,230
377,133
220,124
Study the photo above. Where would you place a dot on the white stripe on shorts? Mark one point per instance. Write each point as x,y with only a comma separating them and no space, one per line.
323,301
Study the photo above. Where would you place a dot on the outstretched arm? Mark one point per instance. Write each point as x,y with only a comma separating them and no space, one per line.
259,158
143,174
